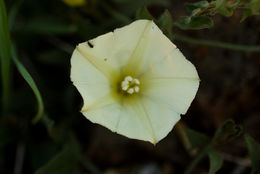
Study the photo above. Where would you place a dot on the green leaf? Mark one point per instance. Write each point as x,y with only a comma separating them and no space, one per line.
197,140
165,22
194,23
255,6
5,56
143,13
246,13
216,161
64,162
27,77
254,153
253,9
227,131
192,6
223,8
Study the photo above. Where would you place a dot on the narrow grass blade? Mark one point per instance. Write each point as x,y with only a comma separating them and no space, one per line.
5,56
13,12
28,78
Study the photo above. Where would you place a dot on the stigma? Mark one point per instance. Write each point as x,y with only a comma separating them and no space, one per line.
130,85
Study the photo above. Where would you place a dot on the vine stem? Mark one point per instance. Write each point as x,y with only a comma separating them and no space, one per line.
179,127
196,160
230,46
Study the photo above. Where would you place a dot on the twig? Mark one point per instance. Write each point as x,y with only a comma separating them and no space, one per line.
230,46
184,139
196,160
245,162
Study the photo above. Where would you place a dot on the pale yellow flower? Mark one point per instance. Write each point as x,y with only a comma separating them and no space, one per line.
134,81
74,3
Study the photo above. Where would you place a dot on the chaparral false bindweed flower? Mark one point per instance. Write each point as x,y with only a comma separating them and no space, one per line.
134,81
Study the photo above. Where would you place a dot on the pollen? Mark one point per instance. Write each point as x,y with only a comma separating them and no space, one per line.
130,85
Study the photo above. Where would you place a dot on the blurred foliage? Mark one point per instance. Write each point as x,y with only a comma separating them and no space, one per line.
254,153
64,162
5,55
252,8
43,36
75,3
227,131
202,11
167,24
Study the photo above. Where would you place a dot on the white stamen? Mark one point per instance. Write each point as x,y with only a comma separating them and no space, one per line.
137,81
128,78
125,83
137,89
130,85
124,88
130,91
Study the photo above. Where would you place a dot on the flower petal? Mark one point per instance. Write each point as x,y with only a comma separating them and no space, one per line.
162,117
120,118
107,115
173,92
115,48
146,120
133,123
90,87
157,47
173,65
172,80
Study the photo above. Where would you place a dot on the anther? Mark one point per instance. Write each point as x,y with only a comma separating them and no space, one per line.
129,78
130,91
137,88
124,88
125,83
130,85
137,81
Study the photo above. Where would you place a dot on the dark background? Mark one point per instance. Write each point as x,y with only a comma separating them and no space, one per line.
45,34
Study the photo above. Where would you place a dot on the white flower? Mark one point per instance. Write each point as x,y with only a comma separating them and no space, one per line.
134,81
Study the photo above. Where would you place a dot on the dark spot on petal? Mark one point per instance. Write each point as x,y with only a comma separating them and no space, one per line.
105,59
90,44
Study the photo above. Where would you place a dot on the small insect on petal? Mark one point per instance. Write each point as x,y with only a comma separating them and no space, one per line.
90,44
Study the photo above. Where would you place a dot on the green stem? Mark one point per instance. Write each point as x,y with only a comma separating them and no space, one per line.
196,161
5,55
235,47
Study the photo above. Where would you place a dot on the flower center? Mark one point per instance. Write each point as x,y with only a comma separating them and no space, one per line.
130,85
